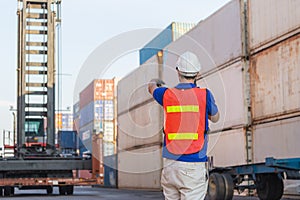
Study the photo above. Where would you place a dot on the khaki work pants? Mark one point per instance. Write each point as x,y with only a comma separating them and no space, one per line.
184,180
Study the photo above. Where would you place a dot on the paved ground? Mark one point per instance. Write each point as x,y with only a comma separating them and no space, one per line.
88,193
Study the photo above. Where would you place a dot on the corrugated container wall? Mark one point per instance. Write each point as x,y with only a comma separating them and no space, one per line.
67,139
217,41
64,121
271,21
275,80
174,31
97,90
140,168
76,116
262,93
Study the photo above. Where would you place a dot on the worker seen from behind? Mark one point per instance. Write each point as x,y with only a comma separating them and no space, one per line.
187,109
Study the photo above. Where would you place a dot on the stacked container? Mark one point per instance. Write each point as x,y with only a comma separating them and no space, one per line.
174,31
64,121
76,116
139,131
250,62
97,114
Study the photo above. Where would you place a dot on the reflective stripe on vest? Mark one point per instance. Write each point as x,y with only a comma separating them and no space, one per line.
185,118
183,136
187,108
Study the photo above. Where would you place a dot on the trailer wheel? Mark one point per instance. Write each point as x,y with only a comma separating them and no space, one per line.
50,190
70,189
229,186
9,191
269,186
216,187
62,190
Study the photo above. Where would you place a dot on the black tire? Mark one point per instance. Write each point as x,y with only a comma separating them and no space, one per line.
70,189
1,191
62,190
50,190
229,186
269,186
216,187
9,191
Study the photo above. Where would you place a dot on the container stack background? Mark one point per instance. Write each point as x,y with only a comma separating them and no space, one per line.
97,114
94,115
250,61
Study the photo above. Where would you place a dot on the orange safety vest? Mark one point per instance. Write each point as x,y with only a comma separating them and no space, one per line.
184,125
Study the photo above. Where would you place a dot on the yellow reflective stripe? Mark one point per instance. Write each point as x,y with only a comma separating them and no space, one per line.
183,136
189,108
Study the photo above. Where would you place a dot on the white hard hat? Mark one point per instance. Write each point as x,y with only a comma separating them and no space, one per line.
188,64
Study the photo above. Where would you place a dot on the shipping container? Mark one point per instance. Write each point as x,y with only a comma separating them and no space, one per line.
68,139
109,131
86,96
76,110
140,168
228,87
257,94
85,134
97,90
104,89
133,87
86,114
110,171
227,148
271,21
275,80
279,139
109,148
109,110
76,116
171,33
217,40
140,126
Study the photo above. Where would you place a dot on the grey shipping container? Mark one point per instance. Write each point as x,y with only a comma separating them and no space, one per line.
140,168
258,90
271,21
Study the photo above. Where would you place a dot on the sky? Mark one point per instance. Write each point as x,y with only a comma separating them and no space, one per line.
85,26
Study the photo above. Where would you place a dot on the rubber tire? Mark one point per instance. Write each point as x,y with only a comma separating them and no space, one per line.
269,186
9,191
229,186
62,190
70,190
49,190
216,187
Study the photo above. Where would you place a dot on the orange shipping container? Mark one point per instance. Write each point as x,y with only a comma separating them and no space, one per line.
102,89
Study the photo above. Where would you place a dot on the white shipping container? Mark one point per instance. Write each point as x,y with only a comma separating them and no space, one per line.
275,80
272,19
140,168
216,40
109,131
228,89
140,126
109,148
228,148
279,139
132,89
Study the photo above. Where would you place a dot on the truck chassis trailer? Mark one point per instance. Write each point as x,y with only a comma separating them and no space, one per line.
266,178
42,174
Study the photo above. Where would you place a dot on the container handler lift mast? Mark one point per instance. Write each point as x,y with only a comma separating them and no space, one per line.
37,164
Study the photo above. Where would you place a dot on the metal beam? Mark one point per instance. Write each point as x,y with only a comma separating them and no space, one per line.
45,165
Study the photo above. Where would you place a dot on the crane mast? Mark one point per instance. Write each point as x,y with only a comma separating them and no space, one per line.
36,77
